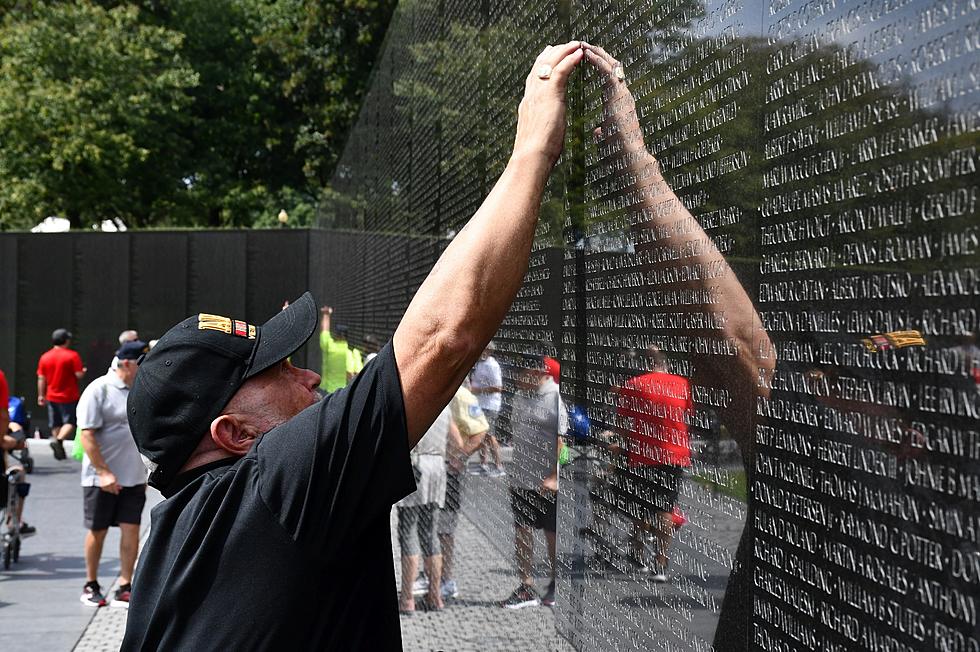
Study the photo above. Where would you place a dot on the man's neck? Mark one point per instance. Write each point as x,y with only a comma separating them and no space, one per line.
205,457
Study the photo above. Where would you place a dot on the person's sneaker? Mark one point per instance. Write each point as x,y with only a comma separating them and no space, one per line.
420,586
496,472
549,597
121,598
479,470
59,449
449,590
523,596
659,578
92,595
27,530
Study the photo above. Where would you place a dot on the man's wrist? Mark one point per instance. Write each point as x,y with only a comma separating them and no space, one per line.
529,161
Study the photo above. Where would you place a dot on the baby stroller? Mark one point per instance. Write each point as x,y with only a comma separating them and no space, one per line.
20,419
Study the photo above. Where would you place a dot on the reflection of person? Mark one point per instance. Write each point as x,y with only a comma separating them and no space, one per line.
487,384
113,475
745,372
464,440
655,407
341,362
275,530
58,373
418,513
538,420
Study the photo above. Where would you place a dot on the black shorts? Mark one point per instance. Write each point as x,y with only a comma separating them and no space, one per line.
61,413
103,509
650,489
534,510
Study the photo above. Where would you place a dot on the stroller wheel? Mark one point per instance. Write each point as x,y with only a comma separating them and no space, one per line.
15,553
6,555
28,465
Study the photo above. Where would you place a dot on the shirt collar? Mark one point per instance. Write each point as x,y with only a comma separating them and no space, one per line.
116,381
188,477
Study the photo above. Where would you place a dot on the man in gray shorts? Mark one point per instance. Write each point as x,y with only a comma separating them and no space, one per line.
113,474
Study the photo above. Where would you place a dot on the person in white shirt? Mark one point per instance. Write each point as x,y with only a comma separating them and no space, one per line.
487,384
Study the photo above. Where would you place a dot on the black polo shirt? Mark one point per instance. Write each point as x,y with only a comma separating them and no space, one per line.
287,548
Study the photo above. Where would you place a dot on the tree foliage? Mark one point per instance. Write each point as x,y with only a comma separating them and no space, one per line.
178,113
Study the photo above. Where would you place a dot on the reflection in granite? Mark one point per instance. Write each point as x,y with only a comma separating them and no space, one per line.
780,198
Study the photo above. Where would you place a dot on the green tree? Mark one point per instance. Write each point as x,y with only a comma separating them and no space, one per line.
89,101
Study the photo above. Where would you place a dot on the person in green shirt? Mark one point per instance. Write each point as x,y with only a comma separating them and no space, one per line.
340,361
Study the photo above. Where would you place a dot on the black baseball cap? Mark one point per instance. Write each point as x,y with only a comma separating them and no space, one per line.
187,379
132,350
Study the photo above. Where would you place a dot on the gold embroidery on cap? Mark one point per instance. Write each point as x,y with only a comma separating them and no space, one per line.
213,323
206,321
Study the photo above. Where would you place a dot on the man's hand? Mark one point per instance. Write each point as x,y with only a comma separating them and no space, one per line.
108,482
326,310
41,402
541,114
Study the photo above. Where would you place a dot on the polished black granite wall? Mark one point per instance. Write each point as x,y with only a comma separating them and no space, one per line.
795,182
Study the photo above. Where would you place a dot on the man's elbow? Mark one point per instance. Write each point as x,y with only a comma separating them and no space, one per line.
457,349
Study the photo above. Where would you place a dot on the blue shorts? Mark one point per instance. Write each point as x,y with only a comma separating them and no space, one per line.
61,413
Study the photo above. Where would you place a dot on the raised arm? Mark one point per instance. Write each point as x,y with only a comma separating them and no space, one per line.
461,303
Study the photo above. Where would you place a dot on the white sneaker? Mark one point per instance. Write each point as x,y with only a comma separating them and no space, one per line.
495,472
449,590
420,586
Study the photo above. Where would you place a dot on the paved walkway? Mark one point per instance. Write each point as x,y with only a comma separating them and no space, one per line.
39,607
39,598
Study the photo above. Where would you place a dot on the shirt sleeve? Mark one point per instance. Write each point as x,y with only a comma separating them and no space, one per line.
89,410
332,470
40,367
4,392
562,417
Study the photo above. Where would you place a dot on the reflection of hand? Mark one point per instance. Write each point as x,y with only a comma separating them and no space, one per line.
550,484
326,310
619,115
541,114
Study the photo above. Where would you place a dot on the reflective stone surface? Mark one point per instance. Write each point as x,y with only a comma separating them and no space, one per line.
757,270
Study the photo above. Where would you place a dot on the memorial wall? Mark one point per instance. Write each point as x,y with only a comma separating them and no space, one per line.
756,279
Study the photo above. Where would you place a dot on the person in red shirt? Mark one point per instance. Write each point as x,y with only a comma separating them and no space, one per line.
654,408
58,373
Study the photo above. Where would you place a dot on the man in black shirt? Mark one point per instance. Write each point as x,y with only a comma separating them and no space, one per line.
274,534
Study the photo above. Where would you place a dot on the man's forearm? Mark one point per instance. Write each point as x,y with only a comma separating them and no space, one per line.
466,295
93,451
42,387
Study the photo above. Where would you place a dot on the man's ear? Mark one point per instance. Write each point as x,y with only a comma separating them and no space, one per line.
229,434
